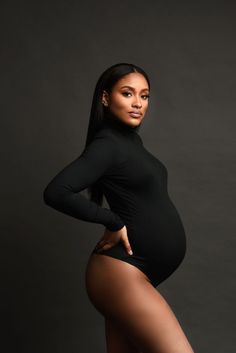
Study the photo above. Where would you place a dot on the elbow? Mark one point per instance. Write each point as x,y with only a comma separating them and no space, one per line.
49,196
54,195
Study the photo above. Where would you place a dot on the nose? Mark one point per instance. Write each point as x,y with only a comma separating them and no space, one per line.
137,103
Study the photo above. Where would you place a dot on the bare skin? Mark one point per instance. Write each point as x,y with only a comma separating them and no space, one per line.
130,93
137,317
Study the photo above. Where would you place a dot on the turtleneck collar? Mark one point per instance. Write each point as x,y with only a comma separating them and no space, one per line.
112,121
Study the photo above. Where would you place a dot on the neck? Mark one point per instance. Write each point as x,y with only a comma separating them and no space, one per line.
116,123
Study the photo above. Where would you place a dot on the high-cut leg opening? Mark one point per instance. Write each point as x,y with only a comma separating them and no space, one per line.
131,262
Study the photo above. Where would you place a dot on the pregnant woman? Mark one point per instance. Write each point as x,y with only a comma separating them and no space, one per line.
144,239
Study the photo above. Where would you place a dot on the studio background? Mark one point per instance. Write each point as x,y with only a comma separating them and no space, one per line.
52,54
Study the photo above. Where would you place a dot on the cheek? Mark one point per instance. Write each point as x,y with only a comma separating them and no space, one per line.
145,105
120,104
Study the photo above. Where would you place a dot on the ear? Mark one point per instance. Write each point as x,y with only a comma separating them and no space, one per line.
105,98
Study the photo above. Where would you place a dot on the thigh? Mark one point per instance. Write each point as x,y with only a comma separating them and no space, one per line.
123,293
117,340
106,276
149,320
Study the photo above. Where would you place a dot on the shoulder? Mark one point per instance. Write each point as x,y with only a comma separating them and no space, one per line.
106,146
103,145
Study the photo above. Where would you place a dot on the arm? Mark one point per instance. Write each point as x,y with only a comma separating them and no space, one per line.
63,191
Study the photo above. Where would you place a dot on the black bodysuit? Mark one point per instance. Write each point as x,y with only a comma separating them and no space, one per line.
134,183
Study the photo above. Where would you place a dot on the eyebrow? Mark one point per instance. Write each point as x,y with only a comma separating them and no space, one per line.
144,89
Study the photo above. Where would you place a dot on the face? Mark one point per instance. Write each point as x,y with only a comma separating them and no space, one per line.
128,100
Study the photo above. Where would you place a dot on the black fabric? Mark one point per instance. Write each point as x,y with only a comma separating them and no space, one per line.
134,183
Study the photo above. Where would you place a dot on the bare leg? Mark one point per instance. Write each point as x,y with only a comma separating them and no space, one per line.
117,340
121,292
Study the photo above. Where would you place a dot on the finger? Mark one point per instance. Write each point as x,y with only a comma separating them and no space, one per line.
127,246
105,247
100,243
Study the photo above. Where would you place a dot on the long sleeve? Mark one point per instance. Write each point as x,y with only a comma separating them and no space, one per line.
63,191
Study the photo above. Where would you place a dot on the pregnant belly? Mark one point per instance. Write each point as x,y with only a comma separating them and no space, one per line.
158,233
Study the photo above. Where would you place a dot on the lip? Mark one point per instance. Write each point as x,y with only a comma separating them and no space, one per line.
135,114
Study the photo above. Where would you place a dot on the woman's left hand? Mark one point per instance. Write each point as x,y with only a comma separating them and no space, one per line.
111,238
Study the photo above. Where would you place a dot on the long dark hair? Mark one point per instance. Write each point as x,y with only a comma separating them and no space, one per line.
97,114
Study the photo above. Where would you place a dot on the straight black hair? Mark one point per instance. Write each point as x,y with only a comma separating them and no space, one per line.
98,112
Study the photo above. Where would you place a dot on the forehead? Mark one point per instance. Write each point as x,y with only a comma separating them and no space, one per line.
133,80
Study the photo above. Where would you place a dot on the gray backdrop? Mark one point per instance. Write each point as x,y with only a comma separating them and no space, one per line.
52,54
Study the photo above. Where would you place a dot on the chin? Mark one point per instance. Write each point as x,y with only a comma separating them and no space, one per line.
135,121
131,123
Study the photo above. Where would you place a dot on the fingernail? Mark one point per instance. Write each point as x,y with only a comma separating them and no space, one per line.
130,252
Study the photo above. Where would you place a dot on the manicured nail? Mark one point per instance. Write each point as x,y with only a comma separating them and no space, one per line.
130,252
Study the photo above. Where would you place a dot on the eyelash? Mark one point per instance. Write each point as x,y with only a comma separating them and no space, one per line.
146,95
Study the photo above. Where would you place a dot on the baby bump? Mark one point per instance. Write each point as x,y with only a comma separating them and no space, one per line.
162,241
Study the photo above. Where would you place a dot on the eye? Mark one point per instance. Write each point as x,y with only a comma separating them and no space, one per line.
147,96
126,93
